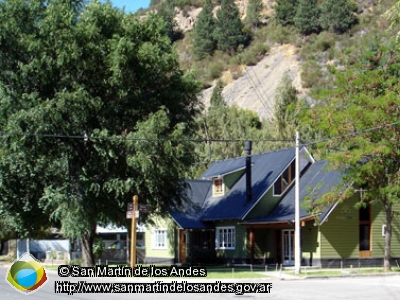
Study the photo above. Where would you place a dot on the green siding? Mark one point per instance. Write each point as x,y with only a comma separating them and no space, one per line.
264,206
164,253
310,242
378,240
264,247
339,234
240,250
231,179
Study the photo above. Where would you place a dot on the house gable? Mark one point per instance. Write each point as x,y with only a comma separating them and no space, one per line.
269,199
233,205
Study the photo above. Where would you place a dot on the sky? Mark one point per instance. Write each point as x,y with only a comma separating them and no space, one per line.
131,5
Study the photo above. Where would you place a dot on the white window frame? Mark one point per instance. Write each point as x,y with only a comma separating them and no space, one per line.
160,238
225,238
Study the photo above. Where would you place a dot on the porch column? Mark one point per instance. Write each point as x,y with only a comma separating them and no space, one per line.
251,244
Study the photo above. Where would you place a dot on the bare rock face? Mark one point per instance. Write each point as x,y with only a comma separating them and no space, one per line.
186,20
255,89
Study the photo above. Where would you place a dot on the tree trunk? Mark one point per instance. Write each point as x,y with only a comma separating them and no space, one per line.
388,235
87,247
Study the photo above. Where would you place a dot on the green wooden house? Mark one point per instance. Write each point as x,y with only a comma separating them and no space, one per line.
241,210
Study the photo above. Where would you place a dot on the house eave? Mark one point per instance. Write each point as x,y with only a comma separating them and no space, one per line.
283,222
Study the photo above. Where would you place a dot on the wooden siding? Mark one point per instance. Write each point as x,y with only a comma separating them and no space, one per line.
264,245
310,243
169,252
240,250
264,206
339,234
231,179
378,240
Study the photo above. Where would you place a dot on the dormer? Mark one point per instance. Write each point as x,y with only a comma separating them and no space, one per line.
218,186
287,177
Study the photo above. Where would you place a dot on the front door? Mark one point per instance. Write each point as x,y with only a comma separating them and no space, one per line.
288,246
182,246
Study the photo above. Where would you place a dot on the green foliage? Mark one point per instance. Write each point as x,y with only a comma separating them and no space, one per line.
215,69
311,74
216,99
365,97
285,11
338,15
203,39
253,54
167,12
98,247
185,3
307,17
95,72
229,28
155,2
228,122
286,109
253,12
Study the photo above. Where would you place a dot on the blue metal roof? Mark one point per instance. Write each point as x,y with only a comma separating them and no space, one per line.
265,168
189,215
223,167
319,179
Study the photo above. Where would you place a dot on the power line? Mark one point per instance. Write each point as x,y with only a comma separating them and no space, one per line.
269,104
355,133
86,137
259,96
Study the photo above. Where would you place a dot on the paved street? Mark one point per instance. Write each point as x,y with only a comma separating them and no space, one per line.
380,287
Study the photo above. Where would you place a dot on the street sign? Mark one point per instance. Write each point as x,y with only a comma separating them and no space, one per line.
143,207
129,214
130,207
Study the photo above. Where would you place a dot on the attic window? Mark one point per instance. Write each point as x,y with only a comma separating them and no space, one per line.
218,186
286,178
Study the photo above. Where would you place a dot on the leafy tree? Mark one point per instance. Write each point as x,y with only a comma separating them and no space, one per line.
363,110
338,15
203,40
285,111
393,16
223,122
217,99
229,28
79,90
285,11
155,2
167,12
307,17
253,12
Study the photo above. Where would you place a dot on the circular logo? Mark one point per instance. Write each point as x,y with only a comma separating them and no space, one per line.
26,274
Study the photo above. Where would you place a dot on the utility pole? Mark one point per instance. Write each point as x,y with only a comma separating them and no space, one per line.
133,230
297,242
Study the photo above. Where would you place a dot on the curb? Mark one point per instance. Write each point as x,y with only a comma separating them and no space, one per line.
351,276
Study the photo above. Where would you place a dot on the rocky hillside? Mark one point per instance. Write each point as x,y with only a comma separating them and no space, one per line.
256,87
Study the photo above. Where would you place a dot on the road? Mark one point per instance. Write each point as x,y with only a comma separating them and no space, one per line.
366,288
